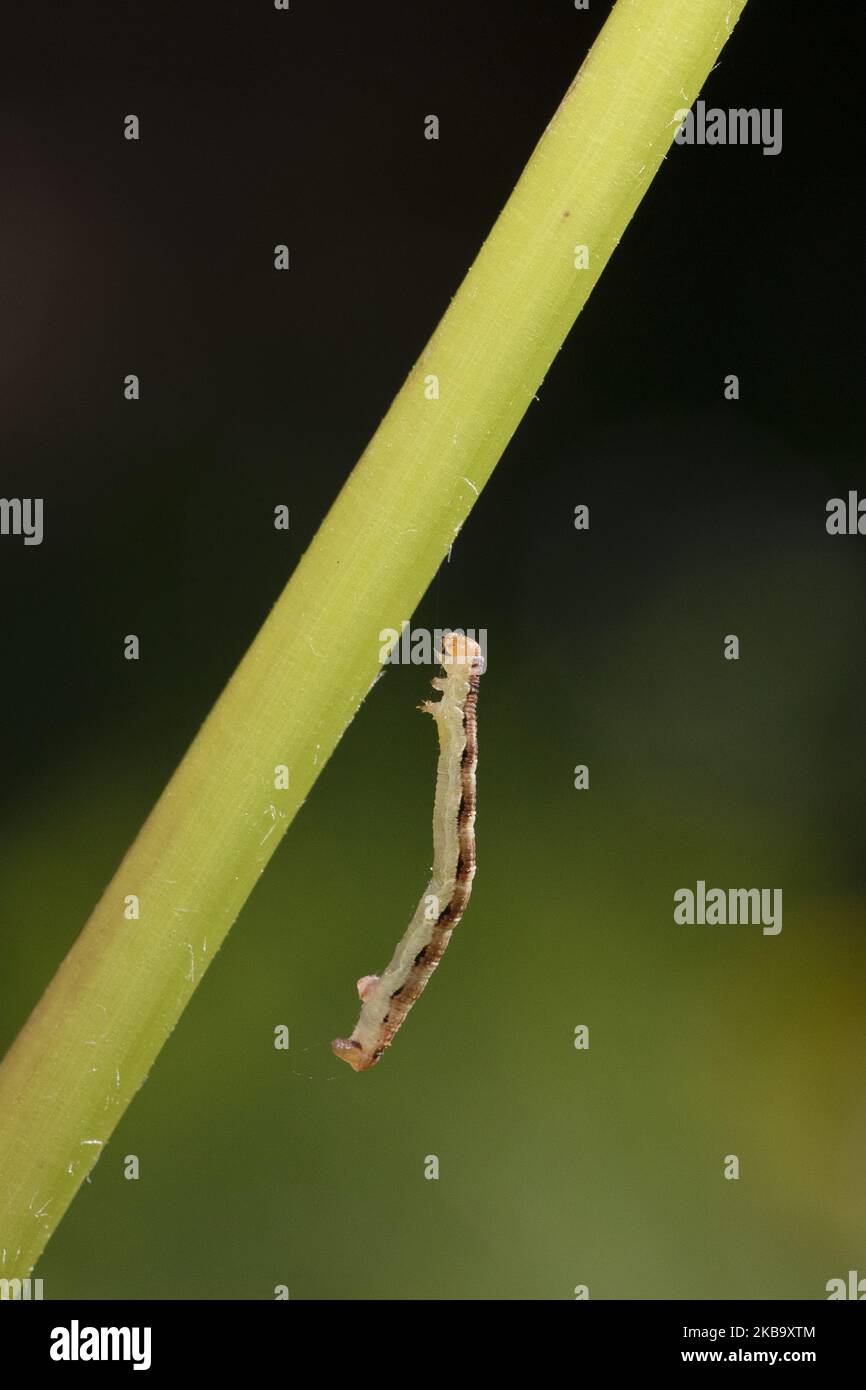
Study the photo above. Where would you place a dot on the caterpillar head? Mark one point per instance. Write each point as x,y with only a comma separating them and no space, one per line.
460,650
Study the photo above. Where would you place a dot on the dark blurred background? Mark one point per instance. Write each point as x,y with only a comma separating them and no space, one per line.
557,1167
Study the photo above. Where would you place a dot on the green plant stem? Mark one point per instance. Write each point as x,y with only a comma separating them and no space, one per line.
94,1035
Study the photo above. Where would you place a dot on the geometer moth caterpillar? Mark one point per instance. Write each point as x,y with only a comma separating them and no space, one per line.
387,999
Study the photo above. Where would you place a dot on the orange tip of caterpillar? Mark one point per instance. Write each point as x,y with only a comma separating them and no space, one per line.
366,985
352,1052
460,650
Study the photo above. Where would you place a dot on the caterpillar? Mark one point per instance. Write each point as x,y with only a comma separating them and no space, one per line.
386,999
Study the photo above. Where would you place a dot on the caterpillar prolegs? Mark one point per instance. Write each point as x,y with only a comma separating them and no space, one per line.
386,999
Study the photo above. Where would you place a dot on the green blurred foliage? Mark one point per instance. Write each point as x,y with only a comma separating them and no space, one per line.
557,1166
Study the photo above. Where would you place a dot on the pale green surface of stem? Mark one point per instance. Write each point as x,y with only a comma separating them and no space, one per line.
93,1038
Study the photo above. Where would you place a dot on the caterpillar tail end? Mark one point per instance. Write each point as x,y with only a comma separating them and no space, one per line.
352,1052
349,1049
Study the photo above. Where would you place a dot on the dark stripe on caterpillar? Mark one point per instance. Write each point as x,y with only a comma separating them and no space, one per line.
386,1000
